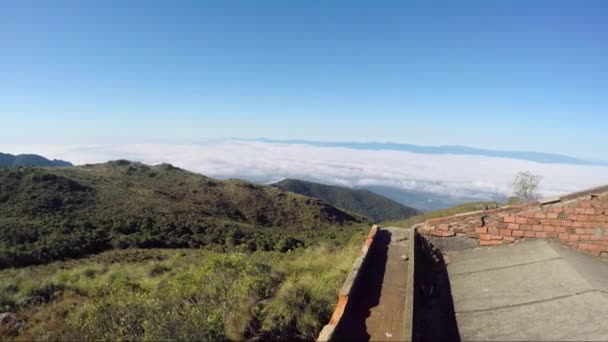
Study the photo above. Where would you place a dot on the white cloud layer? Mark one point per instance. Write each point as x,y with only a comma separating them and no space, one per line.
458,175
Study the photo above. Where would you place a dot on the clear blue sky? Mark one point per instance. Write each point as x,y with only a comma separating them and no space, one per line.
527,75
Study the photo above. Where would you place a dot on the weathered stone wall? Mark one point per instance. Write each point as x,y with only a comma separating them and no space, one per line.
579,220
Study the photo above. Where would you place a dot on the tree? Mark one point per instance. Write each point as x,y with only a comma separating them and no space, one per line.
526,185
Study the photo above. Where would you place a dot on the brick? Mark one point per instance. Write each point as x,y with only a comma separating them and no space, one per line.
521,220
484,237
568,210
558,210
481,230
552,216
580,231
490,242
577,224
564,236
537,227
585,237
548,228
518,233
525,227
590,211
513,226
505,232
584,246
574,237
560,229
496,237
493,231
527,214
442,234
586,204
540,215
552,235
443,227
508,239
579,211
541,234
529,234
509,219
599,248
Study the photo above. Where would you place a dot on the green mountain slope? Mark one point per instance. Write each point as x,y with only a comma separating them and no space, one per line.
53,213
363,202
9,160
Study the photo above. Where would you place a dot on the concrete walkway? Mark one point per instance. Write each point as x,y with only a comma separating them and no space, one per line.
533,290
377,309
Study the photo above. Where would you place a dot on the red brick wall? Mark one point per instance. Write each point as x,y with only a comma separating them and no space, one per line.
579,221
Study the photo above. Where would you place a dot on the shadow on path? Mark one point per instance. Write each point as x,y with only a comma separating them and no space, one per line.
434,317
366,294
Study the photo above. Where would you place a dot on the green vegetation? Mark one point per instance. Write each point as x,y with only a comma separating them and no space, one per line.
9,160
463,208
187,294
364,202
49,214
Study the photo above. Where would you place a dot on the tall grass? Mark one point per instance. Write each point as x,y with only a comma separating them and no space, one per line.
181,294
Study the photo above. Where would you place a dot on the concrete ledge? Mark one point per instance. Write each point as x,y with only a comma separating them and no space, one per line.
549,200
328,330
409,297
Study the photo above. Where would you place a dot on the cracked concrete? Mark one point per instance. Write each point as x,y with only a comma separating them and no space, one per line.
533,290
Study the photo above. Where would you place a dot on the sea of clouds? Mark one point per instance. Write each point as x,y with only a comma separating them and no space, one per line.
457,175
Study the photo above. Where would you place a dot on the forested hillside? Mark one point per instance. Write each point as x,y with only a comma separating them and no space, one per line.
48,214
364,202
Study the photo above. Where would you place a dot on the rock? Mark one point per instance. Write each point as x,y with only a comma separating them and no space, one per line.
10,323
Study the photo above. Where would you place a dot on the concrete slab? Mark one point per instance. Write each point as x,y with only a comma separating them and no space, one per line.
514,285
478,259
533,290
575,318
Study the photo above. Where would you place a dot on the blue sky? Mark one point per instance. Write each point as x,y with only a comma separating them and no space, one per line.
529,75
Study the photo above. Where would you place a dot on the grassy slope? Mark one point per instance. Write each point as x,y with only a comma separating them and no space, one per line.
67,300
52,213
364,202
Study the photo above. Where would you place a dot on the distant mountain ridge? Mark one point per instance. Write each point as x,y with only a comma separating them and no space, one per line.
9,160
360,201
539,157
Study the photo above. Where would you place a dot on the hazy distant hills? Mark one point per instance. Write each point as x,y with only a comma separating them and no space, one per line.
428,201
364,202
539,157
9,160
52,213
